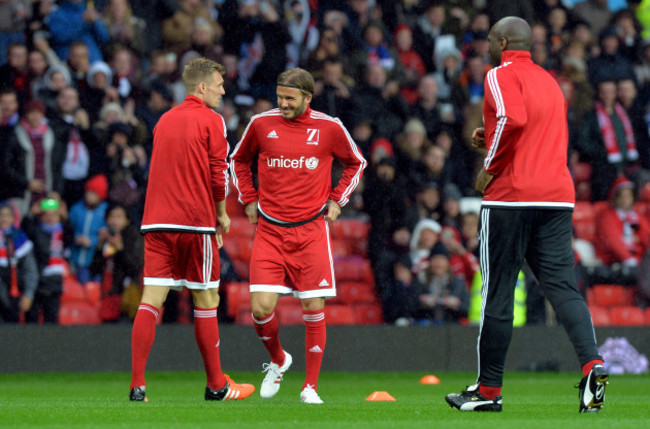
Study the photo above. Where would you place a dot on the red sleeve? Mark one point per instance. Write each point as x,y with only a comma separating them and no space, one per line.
217,155
503,94
240,167
346,151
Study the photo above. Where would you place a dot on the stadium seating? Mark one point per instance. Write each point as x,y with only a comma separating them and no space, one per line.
611,295
339,315
369,314
584,220
647,316
357,293
241,226
237,296
626,316
582,178
599,315
80,305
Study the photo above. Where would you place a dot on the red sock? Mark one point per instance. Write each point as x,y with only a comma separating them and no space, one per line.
586,368
315,337
489,392
206,331
268,330
142,336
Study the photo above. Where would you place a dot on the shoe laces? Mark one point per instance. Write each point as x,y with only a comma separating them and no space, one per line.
273,368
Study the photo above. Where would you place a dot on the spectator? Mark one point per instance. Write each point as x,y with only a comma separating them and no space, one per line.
443,297
436,169
259,37
78,65
624,233
375,50
396,294
426,205
301,24
14,15
99,90
384,200
610,64
205,41
87,217
329,46
125,165
149,111
51,235
125,78
606,139
118,262
428,108
429,36
628,30
425,235
18,271
595,13
449,66
176,30
379,99
333,93
72,127
411,146
9,117
414,67
627,95
35,157
124,28
13,74
75,21
36,68
56,78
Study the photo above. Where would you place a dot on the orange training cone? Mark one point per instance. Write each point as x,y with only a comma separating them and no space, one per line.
430,379
380,396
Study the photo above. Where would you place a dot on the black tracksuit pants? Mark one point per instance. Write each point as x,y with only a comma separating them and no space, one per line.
543,238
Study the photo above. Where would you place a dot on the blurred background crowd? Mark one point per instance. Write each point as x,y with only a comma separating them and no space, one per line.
83,83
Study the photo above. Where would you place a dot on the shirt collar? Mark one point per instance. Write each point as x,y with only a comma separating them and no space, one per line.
514,56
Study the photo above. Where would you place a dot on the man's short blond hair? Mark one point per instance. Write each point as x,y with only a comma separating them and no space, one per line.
200,70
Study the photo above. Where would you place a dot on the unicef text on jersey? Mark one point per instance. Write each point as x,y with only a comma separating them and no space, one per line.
282,162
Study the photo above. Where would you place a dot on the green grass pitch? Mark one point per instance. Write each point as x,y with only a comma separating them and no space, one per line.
100,400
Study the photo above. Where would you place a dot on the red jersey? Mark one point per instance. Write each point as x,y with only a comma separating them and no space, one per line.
526,134
295,164
189,170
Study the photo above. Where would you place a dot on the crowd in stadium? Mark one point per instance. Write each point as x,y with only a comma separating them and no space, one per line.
83,83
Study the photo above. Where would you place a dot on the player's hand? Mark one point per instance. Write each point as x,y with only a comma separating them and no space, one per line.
219,240
223,222
333,211
478,138
482,181
251,212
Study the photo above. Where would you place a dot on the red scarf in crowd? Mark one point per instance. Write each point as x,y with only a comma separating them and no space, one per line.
56,262
14,244
609,134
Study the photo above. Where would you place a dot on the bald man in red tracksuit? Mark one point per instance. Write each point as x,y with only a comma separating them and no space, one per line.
526,213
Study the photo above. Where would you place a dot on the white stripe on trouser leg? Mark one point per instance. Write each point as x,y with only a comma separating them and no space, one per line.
484,260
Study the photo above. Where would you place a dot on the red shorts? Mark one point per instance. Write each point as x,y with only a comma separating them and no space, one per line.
181,259
294,260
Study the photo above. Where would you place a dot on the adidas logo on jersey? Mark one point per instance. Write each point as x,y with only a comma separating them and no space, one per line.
272,135
316,349
323,283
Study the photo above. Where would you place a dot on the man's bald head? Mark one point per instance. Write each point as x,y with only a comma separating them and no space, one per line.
509,34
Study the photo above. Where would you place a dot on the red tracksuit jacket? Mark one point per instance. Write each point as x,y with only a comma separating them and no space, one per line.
189,170
526,136
295,164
